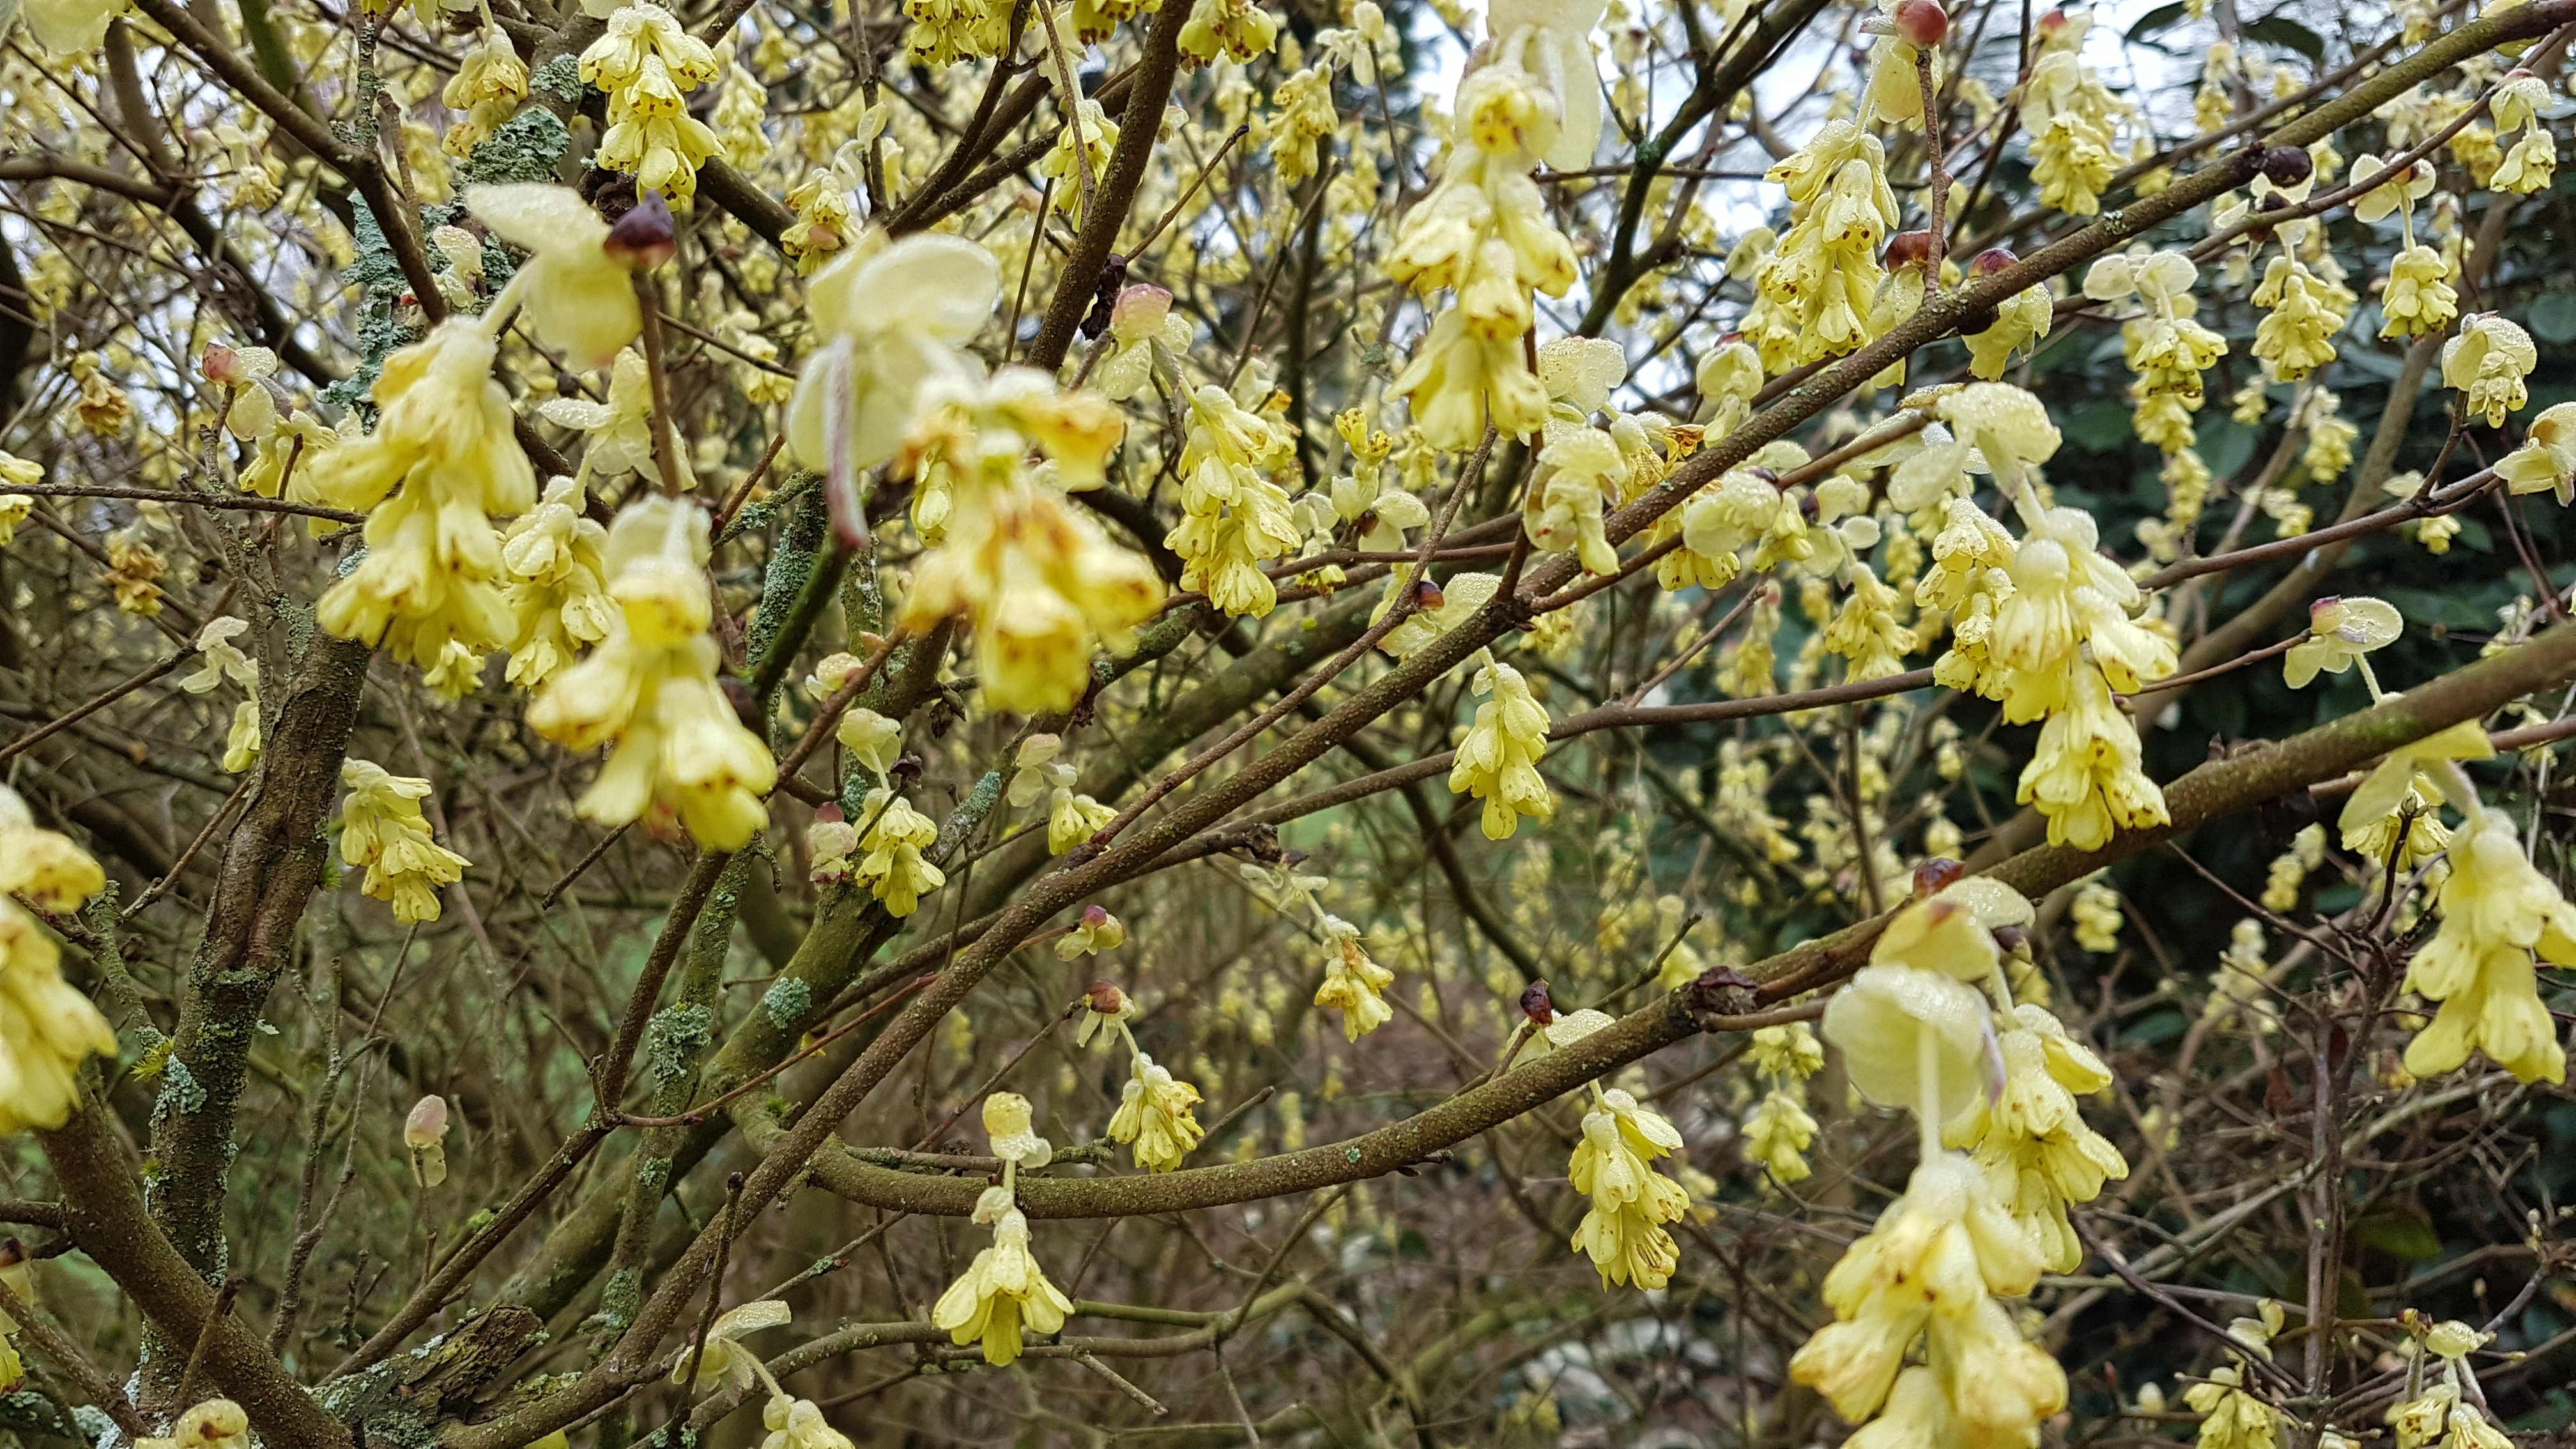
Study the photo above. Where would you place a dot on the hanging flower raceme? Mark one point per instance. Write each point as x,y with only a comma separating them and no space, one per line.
2449,1408
649,690
1354,985
1043,585
2497,913
427,590
2546,461
1004,1294
2038,1154
47,1027
892,862
1071,817
1824,274
1154,1115
647,62
14,507
945,32
2072,119
1779,1131
490,82
383,832
1234,516
2532,160
2398,804
1484,233
1498,761
1915,1033
1934,1269
225,660
558,590
2300,322
2487,362
1623,1231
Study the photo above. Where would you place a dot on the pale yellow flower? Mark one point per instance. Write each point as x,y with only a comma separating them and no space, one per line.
382,830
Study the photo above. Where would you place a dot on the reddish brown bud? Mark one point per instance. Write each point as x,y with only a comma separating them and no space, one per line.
1536,1004
1909,249
1427,595
1104,996
829,812
1922,23
2288,165
645,237
2053,22
2011,938
1094,917
1990,261
1934,874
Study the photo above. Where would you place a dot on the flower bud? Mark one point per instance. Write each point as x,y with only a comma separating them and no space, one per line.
645,237
1935,874
1909,249
1536,1004
427,1124
1992,260
1140,312
223,366
425,1133
1922,23
1106,998
1427,596
1094,917
2288,165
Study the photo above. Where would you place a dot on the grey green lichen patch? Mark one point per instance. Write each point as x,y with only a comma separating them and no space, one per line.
381,285
673,1039
180,1091
527,147
559,78
786,1002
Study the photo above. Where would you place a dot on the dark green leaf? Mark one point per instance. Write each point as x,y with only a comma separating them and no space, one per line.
2553,316
2157,21
2399,1232
2281,30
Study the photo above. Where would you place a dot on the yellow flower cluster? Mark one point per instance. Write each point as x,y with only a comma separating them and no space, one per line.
46,1026
1234,517
383,832
1777,1135
2038,1154
1914,1033
1004,1294
2232,1418
225,660
1354,985
1071,816
444,449
648,62
1154,1116
2487,362
945,32
1816,287
1498,761
2450,1410
1484,233
1623,1231
2497,912
891,860
649,690
489,84
2072,117
558,590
